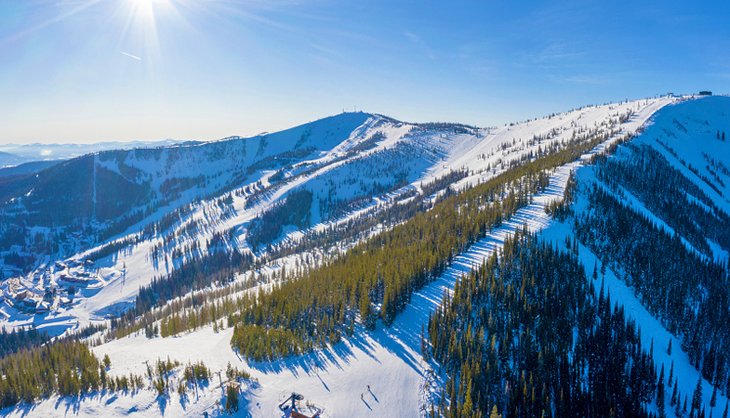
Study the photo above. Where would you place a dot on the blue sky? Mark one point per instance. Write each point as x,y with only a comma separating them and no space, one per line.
87,71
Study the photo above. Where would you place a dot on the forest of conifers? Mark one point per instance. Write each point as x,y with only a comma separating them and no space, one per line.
563,350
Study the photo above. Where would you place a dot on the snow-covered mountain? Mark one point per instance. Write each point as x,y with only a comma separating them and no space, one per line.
343,160
145,211
137,231
654,219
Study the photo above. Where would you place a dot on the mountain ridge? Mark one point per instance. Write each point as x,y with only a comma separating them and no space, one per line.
426,165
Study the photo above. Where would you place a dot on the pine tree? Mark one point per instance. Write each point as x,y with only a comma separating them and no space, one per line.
697,396
365,312
107,361
467,407
231,399
424,344
669,347
494,413
660,394
678,407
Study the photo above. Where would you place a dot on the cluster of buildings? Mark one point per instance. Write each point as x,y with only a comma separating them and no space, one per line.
48,288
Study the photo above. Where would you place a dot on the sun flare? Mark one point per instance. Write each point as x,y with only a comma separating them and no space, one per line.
145,8
140,31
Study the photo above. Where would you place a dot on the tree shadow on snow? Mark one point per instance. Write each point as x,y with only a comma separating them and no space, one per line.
306,363
162,404
25,409
403,337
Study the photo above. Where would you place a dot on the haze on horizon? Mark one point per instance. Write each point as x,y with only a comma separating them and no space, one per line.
89,70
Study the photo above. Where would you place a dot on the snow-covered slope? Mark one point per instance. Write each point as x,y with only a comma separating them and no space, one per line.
371,374
691,136
683,156
352,164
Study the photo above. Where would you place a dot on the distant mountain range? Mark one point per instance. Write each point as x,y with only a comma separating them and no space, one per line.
8,159
15,154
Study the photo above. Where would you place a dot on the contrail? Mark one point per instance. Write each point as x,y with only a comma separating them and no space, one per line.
130,55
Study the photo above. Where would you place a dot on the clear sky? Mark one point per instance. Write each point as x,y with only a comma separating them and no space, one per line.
88,71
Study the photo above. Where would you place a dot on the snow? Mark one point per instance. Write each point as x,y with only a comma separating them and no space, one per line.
688,127
650,327
388,359
626,197
720,254
422,154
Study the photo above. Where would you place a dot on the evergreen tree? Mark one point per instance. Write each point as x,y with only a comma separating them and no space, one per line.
107,361
538,285
231,399
617,232
365,312
467,407
660,394
697,396
678,407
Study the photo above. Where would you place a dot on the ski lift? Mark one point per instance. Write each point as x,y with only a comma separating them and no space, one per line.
293,398
292,411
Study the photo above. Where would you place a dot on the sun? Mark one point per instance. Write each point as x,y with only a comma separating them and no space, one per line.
146,9
147,2
139,34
